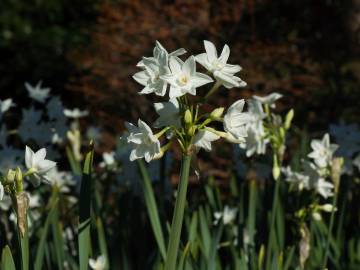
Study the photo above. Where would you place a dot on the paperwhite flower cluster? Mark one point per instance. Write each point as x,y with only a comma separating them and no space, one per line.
314,173
256,140
178,117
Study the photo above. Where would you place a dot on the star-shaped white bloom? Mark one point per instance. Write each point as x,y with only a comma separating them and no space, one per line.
75,113
60,179
223,72
159,50
150,77
317,181
108,159
6,104
255,142
37,93
155,67
168,114
204,138
235,120
322,151
37,163
300,180
98,264
269,99
184,78
144,143
228,215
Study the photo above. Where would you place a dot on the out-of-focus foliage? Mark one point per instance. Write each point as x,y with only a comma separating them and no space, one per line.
34,37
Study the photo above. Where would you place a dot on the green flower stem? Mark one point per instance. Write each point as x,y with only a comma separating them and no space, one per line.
272,223
175,232
331,225
213,89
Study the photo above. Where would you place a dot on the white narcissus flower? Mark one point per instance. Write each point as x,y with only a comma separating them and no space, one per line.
228,215
155,67
150,78
75,113
158,50
322,153
98,264
144,143
60,179
6,104
184,78
300,180
108,159
204,138
37,93
223,72
235,120
317,181
269,99
37,163
255,142
168,114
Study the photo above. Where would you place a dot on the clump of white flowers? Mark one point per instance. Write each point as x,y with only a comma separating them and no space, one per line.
181,118
315,172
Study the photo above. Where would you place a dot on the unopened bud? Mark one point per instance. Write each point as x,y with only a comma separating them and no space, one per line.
288,119
336,166
217,113
10,176
191,130
327,207
188,117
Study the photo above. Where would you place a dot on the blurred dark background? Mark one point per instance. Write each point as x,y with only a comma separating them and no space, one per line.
86,50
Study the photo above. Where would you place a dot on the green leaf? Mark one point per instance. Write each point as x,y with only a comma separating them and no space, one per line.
85,210
44,232
177,221
7,261
152,209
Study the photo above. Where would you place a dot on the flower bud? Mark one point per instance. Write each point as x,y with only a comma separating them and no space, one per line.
316,216
217,113
191,130
288,119
327,207
10,176
188,117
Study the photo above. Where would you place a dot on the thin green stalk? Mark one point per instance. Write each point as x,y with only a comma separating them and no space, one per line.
173,246
332,217
272,223
213,89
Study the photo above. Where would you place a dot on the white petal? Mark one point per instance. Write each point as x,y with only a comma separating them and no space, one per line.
45,165
224,54
231,69
175,92
210,51
29,156
189,66
226,80
141,77
39,155
175,64
200,79
202,59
